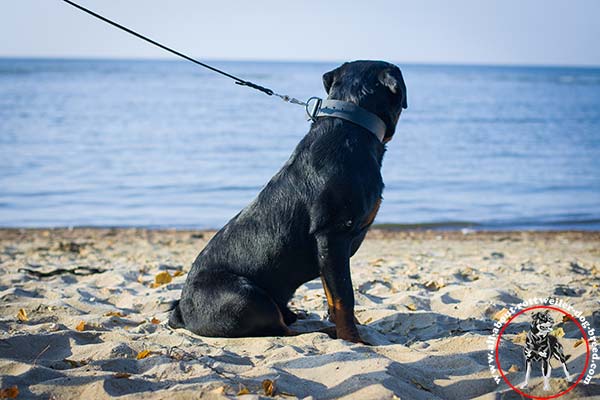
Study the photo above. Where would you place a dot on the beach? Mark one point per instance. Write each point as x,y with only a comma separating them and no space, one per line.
84,311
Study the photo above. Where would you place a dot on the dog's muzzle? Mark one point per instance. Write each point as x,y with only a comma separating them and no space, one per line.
316,107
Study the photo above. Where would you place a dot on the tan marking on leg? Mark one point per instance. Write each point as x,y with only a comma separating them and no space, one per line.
342,311
329,299
327,293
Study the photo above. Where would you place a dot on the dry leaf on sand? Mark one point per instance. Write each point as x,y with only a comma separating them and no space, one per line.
9,393
143,354
114,314
161,278
22,316
242,390
468,274
269,387
579,342
155,321
558,332
500,314
80,326
434,285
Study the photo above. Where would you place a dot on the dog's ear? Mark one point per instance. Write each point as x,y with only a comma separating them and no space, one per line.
329,77
328,80
392,79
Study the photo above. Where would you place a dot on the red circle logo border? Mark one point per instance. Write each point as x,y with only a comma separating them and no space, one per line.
587,356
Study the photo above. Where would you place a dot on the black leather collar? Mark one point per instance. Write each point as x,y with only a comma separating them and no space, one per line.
317,107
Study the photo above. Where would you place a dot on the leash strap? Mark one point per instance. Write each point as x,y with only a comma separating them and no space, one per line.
321,108
238,81
350,112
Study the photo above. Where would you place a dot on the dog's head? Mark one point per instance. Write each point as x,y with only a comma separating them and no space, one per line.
376,86
542,322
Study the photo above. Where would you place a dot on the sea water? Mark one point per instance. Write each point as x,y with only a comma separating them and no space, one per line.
168,144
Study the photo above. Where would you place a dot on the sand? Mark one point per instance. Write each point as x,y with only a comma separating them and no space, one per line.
426,301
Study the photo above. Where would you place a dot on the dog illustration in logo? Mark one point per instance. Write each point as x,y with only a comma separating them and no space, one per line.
541,346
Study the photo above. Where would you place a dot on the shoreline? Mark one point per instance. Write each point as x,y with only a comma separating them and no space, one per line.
374,231
457,226
426,301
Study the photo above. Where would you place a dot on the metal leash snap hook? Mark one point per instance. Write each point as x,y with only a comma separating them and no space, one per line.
313,109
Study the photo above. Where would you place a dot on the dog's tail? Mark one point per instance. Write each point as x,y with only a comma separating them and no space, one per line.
176,319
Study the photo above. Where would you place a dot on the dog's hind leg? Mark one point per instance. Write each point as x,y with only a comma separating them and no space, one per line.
527,373
175,318
567,375
223,304
563,360
560,355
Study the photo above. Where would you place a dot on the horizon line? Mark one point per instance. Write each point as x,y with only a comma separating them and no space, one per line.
297,61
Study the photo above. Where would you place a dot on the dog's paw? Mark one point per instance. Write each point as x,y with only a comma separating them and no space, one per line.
329,331
353,338
359,341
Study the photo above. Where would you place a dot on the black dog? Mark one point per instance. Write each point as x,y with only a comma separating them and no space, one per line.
307,222
541,346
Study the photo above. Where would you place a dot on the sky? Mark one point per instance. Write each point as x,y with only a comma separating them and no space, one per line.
513,32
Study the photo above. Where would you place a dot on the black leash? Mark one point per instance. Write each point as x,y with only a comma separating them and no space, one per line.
237,80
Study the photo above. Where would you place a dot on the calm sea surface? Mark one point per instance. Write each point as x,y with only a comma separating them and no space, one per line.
166,144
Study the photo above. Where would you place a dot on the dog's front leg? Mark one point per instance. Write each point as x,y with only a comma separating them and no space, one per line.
527,373
546,371
334,263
